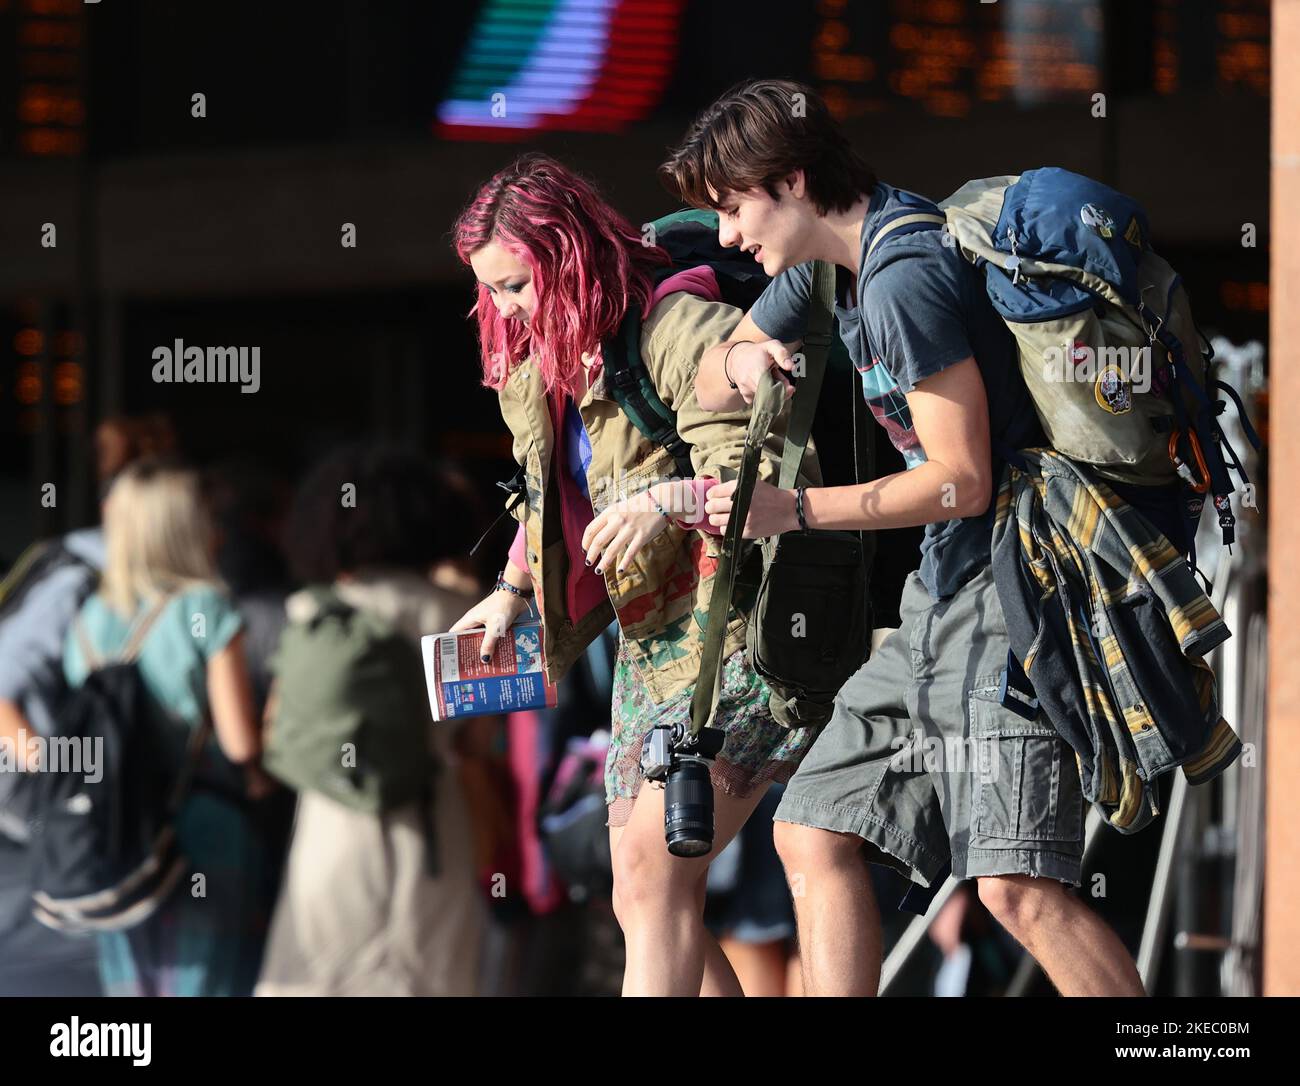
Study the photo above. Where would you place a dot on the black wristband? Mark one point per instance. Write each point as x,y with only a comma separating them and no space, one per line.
798,508
725,358
504,585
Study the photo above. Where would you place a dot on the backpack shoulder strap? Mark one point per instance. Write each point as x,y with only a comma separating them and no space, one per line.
36,563
630,384
901,220
131,645
93,660
327,601
139,630
27,563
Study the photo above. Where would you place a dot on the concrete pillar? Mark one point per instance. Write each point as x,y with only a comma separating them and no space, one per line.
1282,758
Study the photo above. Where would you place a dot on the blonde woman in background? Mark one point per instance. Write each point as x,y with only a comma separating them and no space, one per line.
206,940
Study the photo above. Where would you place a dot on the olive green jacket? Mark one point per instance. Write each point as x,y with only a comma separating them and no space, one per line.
661,600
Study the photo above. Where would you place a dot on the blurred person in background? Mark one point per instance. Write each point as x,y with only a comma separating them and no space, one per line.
978,955
123,439
457,570
159,551
360,912
248,505
557,271
38,600
39,596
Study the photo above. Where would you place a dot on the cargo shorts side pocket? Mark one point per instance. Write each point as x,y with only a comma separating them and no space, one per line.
1026,776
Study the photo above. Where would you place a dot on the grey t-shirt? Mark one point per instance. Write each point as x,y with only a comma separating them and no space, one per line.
925,309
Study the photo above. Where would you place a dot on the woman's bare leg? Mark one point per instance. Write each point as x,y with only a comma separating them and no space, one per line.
658,899
719,977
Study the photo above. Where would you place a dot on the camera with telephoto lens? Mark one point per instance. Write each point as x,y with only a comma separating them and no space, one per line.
671,754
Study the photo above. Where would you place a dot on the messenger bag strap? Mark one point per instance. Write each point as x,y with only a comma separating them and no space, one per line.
768,400
708,687
816,347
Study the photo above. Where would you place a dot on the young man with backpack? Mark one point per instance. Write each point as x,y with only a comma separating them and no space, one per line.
940,373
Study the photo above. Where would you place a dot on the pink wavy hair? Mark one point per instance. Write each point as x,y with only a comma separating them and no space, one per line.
587,263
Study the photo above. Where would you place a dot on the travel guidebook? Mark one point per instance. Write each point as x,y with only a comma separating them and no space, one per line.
460,684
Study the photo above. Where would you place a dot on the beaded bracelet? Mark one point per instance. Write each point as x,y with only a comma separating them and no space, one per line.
657,507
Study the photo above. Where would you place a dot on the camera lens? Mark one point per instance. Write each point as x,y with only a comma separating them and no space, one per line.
688,809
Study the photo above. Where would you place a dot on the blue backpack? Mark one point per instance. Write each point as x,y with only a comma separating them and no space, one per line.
1121,378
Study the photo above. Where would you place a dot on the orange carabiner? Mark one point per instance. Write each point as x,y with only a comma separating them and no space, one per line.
1198,454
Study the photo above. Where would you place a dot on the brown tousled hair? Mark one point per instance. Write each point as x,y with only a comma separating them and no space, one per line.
751,136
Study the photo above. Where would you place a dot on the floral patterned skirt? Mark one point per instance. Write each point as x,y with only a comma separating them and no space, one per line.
757,750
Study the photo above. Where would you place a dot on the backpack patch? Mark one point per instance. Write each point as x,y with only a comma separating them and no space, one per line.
1113,392
1097,219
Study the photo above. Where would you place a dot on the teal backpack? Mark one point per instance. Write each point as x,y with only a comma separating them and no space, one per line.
691,239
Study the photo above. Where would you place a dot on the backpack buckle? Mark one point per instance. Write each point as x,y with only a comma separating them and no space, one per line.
1184,470
515,484
623,377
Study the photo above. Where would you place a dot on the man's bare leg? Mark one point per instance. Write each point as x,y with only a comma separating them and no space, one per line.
1079,952
839,921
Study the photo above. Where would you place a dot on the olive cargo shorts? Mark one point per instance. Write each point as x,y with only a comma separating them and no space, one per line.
925,764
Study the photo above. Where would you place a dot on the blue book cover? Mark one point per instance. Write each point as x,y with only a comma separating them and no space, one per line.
460,684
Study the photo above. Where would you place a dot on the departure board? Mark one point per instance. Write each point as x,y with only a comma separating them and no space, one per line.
949,55
1222,45
510,67
45,78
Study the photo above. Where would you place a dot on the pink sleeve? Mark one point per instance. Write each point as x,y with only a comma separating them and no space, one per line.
519,551
698,488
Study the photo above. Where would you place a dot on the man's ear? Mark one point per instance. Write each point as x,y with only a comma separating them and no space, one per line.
795,185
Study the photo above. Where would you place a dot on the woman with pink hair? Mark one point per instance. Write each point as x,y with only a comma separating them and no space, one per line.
609,530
